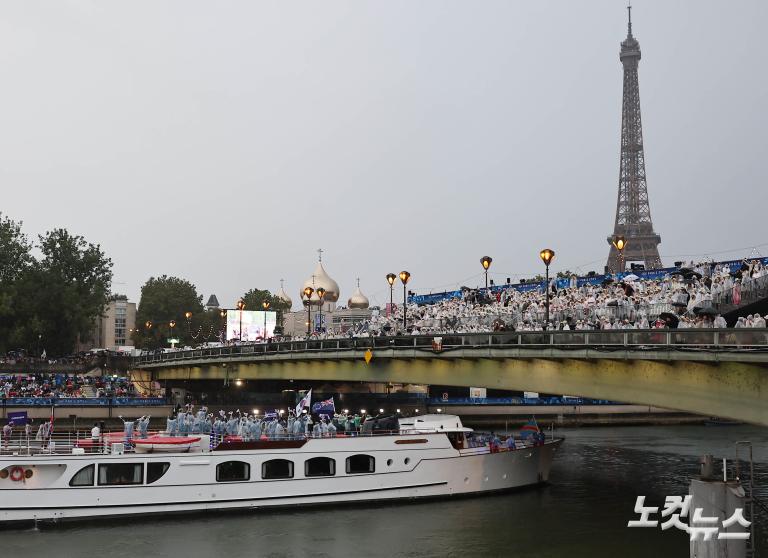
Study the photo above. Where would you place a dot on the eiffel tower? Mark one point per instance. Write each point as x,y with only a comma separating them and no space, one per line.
633,213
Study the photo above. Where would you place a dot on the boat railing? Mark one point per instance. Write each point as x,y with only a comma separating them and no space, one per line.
58,443
81,442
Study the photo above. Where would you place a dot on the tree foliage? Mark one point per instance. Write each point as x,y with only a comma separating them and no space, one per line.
255,298
14,251
50,302
15,258
164,300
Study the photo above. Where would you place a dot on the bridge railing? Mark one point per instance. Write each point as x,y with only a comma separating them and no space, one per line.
82,401
656,339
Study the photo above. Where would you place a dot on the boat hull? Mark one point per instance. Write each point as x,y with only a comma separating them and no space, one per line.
428,468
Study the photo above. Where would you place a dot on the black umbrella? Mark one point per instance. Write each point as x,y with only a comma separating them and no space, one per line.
607,281
628,290
679,304
687,273
670,318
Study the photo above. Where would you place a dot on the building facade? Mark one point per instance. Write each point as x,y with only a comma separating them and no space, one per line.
113,328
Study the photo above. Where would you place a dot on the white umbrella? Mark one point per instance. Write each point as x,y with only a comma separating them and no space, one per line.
631,277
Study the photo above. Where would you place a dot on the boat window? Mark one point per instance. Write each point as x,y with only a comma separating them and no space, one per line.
156,470
230,471
121,473
320,467
361,464
457,440
277,469
84,477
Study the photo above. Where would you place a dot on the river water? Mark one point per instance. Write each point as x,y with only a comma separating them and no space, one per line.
595,480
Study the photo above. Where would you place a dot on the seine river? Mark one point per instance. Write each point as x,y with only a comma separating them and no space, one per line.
595,480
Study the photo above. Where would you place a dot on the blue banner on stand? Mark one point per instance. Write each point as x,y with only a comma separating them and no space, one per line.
17,418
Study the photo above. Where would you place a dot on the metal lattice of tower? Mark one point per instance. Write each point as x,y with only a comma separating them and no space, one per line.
633,213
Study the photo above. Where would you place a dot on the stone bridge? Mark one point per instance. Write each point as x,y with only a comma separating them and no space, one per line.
713,372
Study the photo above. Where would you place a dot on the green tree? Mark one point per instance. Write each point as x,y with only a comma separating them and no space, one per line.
255,298
165,300
73,280
15,249
15,259
50,302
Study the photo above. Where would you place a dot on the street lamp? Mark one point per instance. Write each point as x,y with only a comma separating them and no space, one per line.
485,261
321,295
188,316
265,305
391,278
404,277
241,306
546,256
308,294
619,242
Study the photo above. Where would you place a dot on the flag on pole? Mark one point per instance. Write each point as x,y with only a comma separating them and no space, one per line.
305,402
529,428
326,406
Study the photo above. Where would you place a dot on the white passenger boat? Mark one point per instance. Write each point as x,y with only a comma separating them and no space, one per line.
431,456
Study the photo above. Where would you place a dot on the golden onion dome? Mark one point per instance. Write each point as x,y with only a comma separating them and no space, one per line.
358,299
318,279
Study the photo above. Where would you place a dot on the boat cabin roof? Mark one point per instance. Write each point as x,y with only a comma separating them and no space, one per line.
433,423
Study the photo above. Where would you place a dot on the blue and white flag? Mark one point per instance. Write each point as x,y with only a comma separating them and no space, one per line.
326,406
305,402
271,415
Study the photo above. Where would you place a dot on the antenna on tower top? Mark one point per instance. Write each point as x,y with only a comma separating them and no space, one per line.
320,254
629,23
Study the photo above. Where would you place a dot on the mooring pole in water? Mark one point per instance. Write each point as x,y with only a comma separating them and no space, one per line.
718,501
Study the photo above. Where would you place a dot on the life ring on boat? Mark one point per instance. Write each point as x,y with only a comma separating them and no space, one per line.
17,473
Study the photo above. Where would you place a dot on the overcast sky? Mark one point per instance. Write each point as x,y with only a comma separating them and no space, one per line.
225,142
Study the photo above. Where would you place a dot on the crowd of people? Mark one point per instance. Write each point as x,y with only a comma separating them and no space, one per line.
82,359
251,426
692,298
247,427
695,296
63,386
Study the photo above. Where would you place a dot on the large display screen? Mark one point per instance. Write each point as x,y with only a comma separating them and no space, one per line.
253,325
